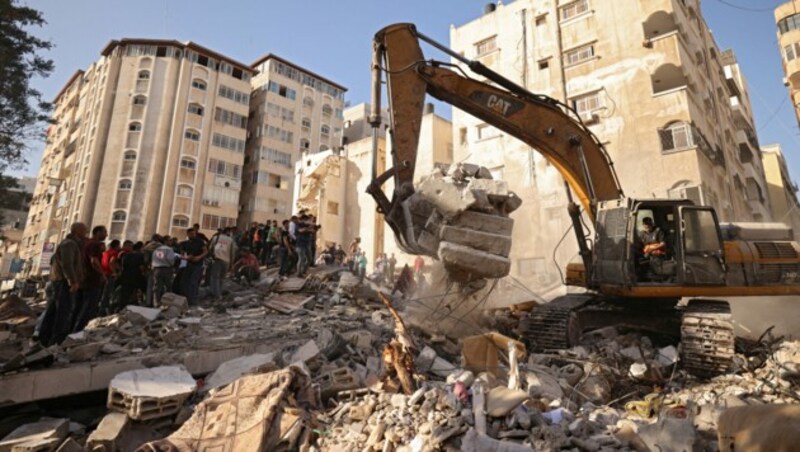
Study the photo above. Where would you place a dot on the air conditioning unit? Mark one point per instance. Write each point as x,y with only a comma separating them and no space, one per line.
589,117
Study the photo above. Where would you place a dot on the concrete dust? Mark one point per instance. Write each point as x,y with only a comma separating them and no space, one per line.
753,315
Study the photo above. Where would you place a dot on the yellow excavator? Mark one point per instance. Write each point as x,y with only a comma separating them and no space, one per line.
701,258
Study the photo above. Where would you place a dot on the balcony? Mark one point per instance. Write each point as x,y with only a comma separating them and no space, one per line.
194,121
730,81
191,147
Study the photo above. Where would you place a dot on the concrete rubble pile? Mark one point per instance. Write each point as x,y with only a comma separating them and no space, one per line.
338,369
461,217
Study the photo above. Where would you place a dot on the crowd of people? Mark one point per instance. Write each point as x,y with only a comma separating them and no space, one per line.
91,276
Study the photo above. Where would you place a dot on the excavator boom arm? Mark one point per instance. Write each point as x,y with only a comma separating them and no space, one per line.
541,122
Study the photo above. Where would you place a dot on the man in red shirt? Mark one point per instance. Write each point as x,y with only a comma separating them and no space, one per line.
247,266
91,288
108,263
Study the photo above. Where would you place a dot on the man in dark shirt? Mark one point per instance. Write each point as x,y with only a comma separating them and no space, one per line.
88,299
132,281
652,238
305,236
193,250
286,252
199,234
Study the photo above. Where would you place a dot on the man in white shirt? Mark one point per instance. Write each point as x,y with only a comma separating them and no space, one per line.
223,250
163,264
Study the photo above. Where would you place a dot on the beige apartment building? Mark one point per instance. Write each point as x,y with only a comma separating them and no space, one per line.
292,111
672,109
782,191
333,184
148,139
787,16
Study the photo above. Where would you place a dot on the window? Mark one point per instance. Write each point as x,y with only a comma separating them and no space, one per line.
788,24
188,164
308,101
462,135
327,110
544,64
485,46
306,79
333,208
129,156
224,169
541,20
125,184
575,56
276,156
216,222
229,117
304,144
280,134
272,180
135,127
700,232
677,136
792,51
574,9
144,75
226,142
485,131
119,216
139,100
325,129
306,123
588,103
192,135
180,221
232,94
199,84
279,112
185,191
282,90
196,109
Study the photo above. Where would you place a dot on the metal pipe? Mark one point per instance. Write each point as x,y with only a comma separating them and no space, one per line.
375,104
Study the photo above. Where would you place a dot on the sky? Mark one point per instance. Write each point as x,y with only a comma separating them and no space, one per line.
333,39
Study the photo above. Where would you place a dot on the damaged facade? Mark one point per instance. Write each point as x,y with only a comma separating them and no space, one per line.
660,95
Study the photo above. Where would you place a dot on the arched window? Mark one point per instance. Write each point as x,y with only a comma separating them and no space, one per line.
304,143
659,23
196,109
676,136
119,217
327,110
199,84
191,134
308,101
180,221
188,164
129,156
667,77
325,129
144,75
185,191
140,100
125,184
306,123
135,127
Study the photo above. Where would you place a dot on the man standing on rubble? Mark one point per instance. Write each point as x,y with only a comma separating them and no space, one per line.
303,244
390,268
223,251
286,253
162,263
108,263
66,274
88,300
193,251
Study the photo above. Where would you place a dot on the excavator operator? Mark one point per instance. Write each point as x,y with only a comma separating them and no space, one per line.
654,250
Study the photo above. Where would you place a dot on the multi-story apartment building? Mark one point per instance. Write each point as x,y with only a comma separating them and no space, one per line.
671,108
292,110
148,139
782,190
787,16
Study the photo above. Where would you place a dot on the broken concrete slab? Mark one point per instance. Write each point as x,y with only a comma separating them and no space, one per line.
479,263
70,445
501,401
35,434
85,352
476,442
230,371
170,299
669,434
150,393
147,314
478,221
306,352
448,199
484,241
288,303
108,433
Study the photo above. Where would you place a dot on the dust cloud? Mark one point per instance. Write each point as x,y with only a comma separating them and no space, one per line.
753,315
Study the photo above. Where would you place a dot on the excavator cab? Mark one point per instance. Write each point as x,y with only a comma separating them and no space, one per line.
693,253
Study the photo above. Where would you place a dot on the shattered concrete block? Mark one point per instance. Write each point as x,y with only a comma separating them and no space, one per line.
543,384
85,352
428,241
332,382
489,186
306,352
229,371
479,263
145,394
484,222
170,299
448,199
361,339
70,445
108,433
139,315
473,441
484,241
35,434
429,361
669,434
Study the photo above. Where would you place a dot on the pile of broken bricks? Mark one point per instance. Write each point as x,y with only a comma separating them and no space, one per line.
616,391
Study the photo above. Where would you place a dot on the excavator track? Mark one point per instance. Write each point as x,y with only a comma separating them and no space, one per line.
555,325
707,339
